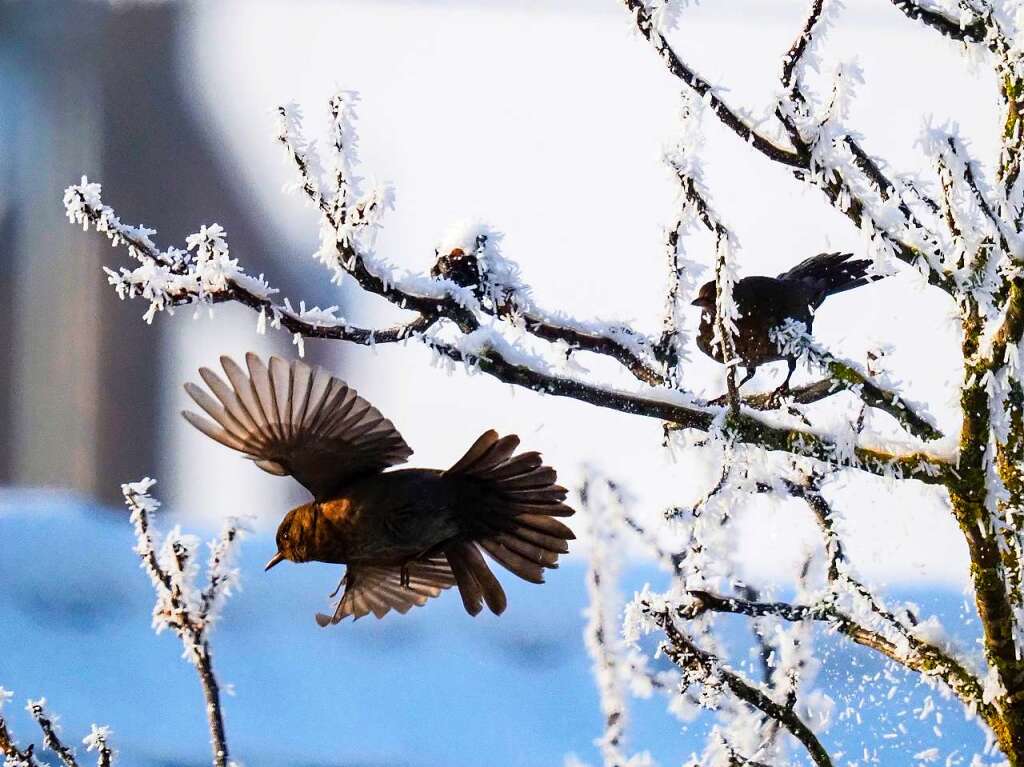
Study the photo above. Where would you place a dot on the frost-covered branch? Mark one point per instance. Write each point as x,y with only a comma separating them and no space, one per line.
794,340
603,502
968,27
173,278
905,645
731,118
911,652
182,606
704,668
14,756
469,258
98,740
822,155
187,278
51,739
469,277
695,204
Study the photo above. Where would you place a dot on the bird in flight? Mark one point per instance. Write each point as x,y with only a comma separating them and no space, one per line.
765,303
404,535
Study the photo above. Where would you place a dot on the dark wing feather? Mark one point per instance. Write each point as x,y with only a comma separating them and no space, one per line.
296,419
379,590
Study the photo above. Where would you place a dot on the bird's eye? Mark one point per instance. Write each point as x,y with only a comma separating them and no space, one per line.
284,536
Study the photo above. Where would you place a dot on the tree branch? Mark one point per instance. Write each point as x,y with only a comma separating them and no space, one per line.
11,752
37,708
728,117
484,354
919,656
688,657
189,617
799,47
974,31
794,339
836,188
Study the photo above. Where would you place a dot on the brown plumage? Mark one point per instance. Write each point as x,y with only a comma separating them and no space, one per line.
404,535
764,303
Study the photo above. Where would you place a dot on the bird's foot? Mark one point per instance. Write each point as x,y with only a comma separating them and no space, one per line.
404,578
777,398
340,584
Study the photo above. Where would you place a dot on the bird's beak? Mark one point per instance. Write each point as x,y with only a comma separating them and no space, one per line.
703,303
274,560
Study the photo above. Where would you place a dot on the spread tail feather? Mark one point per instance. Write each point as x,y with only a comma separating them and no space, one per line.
476,581
830,273
515,523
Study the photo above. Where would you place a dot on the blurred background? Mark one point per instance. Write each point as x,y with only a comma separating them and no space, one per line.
547,122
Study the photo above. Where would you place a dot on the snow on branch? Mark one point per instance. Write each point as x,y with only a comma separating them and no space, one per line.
182,605
614,664
824,154
98,740
14,756
793,340
685,163
732,119
471,283
966,25
704,668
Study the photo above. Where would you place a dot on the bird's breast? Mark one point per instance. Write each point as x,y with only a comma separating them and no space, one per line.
393,516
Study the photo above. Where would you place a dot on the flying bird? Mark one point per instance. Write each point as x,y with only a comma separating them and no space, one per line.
765,303
404,535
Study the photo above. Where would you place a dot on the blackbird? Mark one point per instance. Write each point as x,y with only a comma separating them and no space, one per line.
765,303
404,535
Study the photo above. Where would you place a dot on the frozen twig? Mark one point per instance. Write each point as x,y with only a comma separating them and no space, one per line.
704,666
14,756
51,739
602,501
794,340
98,740
180,605
972,29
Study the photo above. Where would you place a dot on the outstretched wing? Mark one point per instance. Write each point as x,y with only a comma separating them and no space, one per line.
296,419
377,590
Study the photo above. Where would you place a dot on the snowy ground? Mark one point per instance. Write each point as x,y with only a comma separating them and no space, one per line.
434,687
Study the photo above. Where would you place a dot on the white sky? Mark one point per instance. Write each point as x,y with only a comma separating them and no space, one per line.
549,125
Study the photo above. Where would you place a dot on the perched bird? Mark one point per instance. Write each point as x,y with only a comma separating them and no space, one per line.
404,535
765,303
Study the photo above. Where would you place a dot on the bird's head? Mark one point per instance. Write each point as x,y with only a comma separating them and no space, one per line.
296,535
706,297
